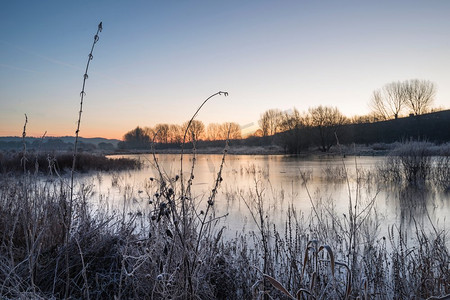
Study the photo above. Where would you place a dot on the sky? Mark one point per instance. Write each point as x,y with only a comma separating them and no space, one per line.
157,61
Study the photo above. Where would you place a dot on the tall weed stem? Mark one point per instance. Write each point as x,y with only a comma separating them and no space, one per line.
68,220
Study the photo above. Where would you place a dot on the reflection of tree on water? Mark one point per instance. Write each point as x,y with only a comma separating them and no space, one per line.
413,203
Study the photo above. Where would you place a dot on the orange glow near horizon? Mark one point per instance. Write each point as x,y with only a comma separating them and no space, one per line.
156,63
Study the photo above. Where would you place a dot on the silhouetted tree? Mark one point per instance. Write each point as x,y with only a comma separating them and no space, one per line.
294,137
150,132
175,133
257,133
136,139
232,130
327,121
291,119
195,132
162,133
389,101
419,95
270,122
213,131
217,132
370,118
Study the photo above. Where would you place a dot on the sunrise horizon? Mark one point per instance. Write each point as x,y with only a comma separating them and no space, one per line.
231,149
156,63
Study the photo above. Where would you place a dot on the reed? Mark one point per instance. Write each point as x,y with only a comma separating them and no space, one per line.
358,262
139,252
417,164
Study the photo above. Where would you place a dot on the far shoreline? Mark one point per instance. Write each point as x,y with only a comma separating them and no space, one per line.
358,150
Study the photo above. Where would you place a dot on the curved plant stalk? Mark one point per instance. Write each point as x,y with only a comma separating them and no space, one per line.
68,219
276,284
314,247
348,286
300,292
186,131
183,196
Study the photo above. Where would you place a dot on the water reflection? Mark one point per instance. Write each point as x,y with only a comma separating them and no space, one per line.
330,182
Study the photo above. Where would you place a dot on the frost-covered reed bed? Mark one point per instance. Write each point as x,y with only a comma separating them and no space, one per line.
176,248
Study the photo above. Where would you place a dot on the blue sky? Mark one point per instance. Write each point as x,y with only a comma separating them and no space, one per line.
156,61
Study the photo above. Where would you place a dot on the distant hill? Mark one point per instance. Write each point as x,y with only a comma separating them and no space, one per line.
66,139
96,141
57,143
433,127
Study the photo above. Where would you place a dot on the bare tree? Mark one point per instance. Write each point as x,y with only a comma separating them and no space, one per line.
257,133
270,122
162,133
370,118
234,131
389,101
264,124
327,120
149,131
196,130
291,119
217,131
379,107
213,131
419,95
293,135
175,133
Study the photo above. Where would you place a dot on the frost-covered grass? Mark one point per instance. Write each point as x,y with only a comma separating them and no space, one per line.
418,164
177,248
60,162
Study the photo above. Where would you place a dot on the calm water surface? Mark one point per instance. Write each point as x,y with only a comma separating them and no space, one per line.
279,179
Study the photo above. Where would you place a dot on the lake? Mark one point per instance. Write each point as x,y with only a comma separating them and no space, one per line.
283,182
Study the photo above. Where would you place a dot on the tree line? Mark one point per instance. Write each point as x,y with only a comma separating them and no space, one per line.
395,98
389,102
318,126
322,125
175,134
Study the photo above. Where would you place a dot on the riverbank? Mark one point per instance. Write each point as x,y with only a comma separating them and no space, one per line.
378,149
355,150
60,162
